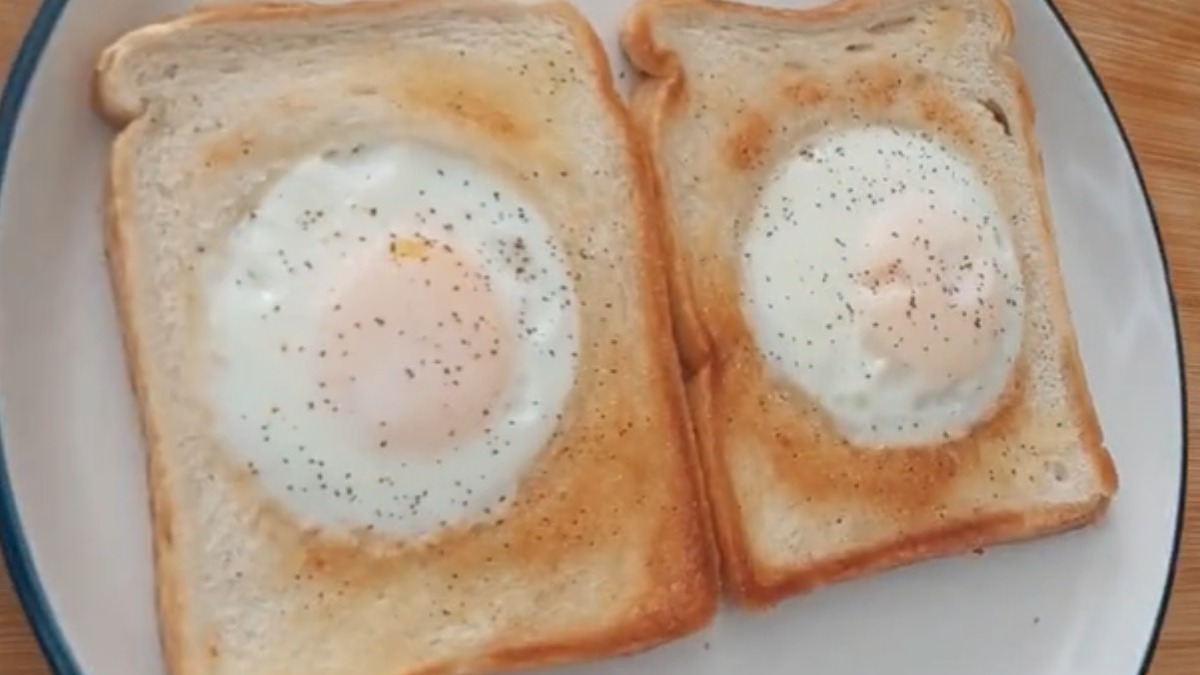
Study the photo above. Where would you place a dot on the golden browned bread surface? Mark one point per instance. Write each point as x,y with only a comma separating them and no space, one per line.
607,547
732,90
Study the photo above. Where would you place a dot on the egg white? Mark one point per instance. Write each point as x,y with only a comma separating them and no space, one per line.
799,286
264,288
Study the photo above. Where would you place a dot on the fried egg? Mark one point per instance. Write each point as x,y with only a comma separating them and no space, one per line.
393,336
880,278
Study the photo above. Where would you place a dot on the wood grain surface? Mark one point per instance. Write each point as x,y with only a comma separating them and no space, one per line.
1148,54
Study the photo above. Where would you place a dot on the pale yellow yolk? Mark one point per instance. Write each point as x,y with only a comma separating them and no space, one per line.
929,299
418,344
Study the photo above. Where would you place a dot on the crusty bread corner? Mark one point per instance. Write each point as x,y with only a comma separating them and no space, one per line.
241,589
662,106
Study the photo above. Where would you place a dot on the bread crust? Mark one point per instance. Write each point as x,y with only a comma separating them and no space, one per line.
680,577
168,590
715,366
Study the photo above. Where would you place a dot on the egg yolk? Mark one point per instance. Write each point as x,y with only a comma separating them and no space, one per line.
930,295
416,342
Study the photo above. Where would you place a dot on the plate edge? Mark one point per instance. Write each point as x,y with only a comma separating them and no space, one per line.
17,557
1180,363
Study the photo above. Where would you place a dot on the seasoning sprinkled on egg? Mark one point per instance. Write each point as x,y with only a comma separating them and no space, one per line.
391,348
914,313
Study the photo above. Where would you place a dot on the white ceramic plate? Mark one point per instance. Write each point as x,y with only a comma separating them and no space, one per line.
73,504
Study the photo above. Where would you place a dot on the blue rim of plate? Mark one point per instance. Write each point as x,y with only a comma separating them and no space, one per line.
12,537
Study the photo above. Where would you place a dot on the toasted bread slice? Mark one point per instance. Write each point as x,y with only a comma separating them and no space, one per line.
733,89
606,548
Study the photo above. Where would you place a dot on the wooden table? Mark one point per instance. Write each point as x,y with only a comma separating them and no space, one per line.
1145,54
